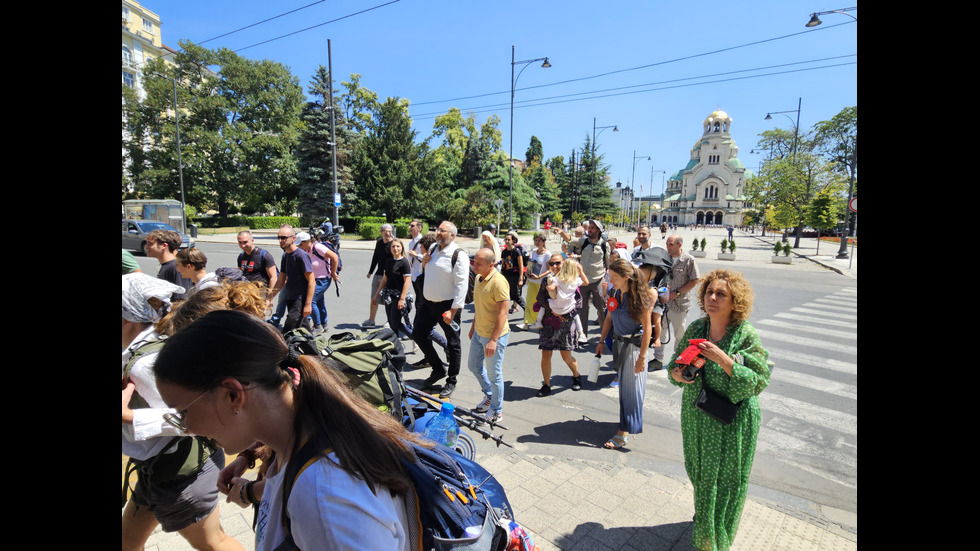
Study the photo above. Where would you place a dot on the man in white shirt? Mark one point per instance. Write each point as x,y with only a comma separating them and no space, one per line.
446,268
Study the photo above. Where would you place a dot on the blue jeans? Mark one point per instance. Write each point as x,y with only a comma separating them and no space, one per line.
489,373
319,304
280,313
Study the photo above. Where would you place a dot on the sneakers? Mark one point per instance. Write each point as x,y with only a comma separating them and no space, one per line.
577,383
614,384
419,364
483,406
535,325
447,390
368,323
495,416
582,339
655,365
545,390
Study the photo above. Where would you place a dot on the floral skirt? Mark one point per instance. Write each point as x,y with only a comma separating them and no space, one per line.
557,331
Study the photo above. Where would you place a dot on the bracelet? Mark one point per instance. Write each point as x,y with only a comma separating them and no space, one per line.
241,493
250,494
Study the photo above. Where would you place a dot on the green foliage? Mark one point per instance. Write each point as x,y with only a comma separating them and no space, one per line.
272,222
731,246
777,248
724,245
704,242
786,249
369,229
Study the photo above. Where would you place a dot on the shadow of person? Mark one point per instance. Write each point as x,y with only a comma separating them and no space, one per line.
576,432
662,536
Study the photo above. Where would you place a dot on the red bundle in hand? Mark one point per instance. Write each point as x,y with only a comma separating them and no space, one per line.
692,359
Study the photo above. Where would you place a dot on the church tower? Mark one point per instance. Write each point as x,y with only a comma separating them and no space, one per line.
711,188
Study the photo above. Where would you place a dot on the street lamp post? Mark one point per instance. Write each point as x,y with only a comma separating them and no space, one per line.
796,137
633,187
180,159
663,206
594,163
814,20
513,82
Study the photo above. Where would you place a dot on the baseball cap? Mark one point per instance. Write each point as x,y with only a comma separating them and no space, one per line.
302,236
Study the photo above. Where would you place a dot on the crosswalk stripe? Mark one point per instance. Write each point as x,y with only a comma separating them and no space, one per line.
805,341
813,319
820,303
798,327
823,313
843,390
769,402
778,355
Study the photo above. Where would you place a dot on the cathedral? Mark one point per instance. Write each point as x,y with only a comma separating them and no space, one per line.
711,188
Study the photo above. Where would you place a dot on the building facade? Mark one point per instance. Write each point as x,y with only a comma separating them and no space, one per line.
141,42
711,189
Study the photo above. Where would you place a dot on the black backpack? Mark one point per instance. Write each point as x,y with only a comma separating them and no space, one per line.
472,276
459,504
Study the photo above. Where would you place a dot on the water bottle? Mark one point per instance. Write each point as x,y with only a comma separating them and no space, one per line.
593,374
452,322
443,429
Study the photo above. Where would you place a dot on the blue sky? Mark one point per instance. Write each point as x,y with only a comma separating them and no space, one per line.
653,69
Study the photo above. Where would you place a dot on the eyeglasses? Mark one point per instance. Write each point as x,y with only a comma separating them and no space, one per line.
554,263
176,420
281,237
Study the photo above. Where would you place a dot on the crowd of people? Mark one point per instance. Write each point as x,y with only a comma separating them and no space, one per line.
190,334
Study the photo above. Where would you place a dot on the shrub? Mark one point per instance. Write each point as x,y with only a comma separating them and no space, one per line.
777,248
704,242
786,249
724,245
731,246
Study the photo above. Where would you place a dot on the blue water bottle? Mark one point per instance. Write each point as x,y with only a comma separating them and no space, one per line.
443,429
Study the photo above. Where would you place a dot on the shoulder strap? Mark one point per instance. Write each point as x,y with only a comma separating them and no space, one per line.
304,457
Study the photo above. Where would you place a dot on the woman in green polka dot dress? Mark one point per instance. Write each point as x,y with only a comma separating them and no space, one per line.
718,457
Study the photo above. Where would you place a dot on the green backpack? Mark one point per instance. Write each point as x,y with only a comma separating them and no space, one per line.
371,362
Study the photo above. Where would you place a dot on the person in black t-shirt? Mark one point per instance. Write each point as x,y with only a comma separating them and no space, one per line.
394,287
162,245
256,264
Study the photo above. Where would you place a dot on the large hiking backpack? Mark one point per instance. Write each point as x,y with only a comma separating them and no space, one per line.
459,504
371,362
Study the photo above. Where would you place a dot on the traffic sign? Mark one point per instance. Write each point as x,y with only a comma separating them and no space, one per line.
336,199
853,205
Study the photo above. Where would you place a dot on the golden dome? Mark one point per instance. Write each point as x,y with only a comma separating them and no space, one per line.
719,116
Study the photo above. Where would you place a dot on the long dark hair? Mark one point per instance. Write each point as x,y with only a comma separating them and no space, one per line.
637,297
369,443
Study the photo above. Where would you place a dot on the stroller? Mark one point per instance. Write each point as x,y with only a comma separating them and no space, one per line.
372,363
660,259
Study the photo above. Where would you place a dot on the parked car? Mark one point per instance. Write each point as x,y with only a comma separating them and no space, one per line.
134,234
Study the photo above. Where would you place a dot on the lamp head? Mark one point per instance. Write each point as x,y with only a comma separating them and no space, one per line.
768,117
814,21
546,64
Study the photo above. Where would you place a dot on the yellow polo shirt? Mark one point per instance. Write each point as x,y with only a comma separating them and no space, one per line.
486,295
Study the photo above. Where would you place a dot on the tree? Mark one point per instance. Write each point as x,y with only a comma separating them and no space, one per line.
238,128
837,139
314,152
389,166
823,213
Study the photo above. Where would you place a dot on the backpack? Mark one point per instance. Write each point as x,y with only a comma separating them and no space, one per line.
335,249
472,277
524,254
371,362
602,246
459,504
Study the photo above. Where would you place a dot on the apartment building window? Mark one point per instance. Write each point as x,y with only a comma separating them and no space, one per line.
125,14
129,79
127,56
148,26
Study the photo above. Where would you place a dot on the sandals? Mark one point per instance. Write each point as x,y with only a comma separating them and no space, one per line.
616,442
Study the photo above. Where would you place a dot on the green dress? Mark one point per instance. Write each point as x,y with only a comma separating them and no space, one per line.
718,458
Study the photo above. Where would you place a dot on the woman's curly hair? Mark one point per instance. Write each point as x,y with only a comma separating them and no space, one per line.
244,296
742,294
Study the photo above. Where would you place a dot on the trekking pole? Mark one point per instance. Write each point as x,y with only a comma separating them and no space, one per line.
459,409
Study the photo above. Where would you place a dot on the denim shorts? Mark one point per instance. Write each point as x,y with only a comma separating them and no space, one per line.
181,502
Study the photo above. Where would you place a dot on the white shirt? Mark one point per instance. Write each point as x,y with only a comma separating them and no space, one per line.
331,509
442,281
416,262
149,434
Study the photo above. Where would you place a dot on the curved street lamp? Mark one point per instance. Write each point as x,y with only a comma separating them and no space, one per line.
513,82
796,131
814,20
595,165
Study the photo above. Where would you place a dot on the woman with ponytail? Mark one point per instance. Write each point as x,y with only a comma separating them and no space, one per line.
231,377
629,308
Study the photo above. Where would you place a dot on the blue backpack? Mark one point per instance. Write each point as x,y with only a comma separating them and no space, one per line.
460,505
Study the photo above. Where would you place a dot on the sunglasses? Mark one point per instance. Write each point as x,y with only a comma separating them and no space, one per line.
281,237
554,263
176,420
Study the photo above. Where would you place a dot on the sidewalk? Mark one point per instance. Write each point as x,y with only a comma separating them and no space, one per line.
579,505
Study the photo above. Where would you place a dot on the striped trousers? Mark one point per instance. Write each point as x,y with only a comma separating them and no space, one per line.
632,386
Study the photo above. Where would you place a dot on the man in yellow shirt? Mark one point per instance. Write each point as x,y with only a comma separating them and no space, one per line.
489,333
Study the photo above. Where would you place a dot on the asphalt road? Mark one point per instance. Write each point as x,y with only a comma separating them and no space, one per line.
807,453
